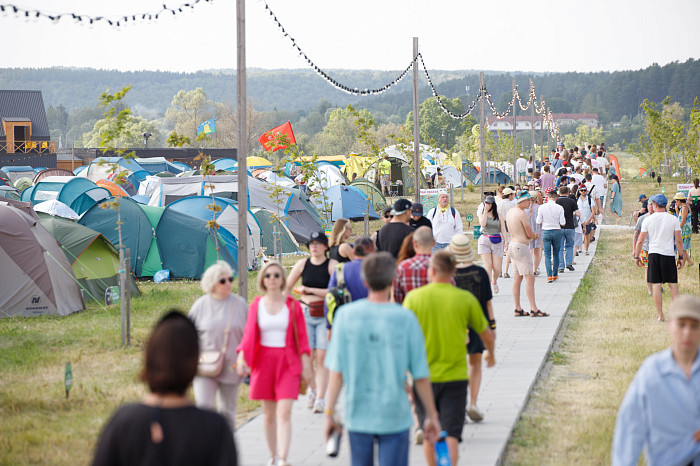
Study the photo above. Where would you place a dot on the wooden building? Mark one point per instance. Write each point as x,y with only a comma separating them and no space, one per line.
24,130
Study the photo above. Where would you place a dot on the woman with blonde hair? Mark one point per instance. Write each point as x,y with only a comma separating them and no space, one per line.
338,249
275,352
220,318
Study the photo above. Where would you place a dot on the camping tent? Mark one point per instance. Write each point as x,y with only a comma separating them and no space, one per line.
23,183
15,173
160,238
154,165
35,277
168,190
470,171
452,176
493,175
113,188
51,172
272,177
95,260
348,202
56,208
77,193
80,169
9,192
375,196
267,221
227,217
326,175
225,164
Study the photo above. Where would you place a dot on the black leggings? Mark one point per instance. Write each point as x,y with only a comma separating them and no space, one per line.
694,210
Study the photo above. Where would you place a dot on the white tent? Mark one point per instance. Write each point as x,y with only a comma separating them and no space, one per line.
57,209
452,176
272,177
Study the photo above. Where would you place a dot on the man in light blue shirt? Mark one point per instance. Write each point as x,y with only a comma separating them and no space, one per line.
661,410
373,345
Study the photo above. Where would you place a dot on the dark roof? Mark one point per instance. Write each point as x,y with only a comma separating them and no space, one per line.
15,119
24,104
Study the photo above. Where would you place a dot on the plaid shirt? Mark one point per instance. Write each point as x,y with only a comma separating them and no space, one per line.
410,274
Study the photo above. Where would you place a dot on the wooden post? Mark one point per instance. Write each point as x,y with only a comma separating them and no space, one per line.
541,134
127,294
515,128
367,219
242,154
123,285
482,131
532,120
549,138
416,126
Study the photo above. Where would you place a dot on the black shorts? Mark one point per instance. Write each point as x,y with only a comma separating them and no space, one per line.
589,228
475,345
451,403
662,269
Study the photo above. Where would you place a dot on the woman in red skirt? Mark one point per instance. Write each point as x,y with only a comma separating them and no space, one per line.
275,352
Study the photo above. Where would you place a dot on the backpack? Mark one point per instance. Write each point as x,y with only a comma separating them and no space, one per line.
337,295
434,210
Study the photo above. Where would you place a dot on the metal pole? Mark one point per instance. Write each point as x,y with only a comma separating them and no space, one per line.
416,127
515,127
242,154
482,132
127,294
549,138
541,134
532,120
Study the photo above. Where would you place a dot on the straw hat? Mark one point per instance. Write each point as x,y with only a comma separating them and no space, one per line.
460,246
679,196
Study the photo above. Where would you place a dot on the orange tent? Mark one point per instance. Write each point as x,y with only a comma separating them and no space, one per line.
113,188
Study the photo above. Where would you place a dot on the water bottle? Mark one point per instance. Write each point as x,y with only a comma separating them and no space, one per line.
333,443
441,451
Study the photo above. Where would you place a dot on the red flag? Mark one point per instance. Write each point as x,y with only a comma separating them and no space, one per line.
616,164
267,138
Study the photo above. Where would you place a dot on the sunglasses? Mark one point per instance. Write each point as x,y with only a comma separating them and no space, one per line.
223,280
388,216
276,275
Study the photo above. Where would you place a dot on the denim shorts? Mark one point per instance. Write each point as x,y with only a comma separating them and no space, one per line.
316,330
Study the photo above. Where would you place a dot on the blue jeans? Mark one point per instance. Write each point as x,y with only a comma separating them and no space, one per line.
439,246
393,449
567,242
552,244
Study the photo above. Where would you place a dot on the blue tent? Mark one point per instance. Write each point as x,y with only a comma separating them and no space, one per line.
347,202
493,175
16,172
225,164
77,193
79,169
470,171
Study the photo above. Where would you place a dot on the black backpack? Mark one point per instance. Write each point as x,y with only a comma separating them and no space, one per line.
337,295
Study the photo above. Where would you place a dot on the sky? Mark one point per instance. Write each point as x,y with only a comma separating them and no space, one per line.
503,35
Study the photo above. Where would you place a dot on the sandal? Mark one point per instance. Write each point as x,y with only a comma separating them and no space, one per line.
538,313
506,275
520,313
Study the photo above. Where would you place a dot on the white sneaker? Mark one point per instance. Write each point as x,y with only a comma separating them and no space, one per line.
272,461
281,462
419,437
312,399
475,413
319,405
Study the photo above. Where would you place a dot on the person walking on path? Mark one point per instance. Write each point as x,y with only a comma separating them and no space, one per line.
694,199
663,230
446,222
338,249
536,245
275,353
521,165
547,178
445,327
587,209
686,230
315,273
521,235
491,241
616,198
165,428
370,363
504,205
568,231
474,279
220,318
551,217
390,237
660,412
413,273
417,218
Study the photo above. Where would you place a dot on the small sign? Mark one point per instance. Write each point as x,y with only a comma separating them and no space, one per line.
470,218
684,188
112,295
68,379
663,189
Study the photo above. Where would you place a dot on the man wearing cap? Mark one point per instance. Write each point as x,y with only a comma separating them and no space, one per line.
663,230
660,412
446,222
519,251
644,209
551,216
417,217
392,234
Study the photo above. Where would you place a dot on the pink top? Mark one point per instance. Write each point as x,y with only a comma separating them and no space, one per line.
250,344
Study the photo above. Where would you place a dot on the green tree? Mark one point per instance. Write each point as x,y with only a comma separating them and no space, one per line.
692,142
662,145
437,127
341,133
584,134
130,134
57,117
187,110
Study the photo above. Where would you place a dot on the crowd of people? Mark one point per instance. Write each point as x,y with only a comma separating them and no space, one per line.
421,368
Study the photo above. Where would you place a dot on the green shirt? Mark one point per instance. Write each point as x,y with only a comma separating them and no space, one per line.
444,313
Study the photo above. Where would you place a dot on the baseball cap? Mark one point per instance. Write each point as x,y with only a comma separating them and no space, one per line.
319,237
659,200
401,206
490,199
508,192
417,208
685,306
642,196
523,196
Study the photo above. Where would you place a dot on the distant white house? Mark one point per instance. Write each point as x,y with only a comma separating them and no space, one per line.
526,123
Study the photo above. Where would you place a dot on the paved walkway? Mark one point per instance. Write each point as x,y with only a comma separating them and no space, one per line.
522,345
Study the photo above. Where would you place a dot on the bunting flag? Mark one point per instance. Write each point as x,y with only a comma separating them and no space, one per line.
268,137
616,164
206,127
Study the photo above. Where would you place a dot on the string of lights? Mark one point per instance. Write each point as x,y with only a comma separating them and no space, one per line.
114,21
455,116
499,116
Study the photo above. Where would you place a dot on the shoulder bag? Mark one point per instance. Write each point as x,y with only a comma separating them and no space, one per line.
212,362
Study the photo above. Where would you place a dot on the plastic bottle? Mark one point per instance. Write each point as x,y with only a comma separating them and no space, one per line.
333,443
442,452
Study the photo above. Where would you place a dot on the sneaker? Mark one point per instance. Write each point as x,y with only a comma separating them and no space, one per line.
537,272
570,267
312,399
556,277
475,413
281,462
550,279
319,405
494,287
419,437
272,461
561,270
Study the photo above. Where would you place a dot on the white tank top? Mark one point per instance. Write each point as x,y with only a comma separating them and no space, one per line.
273,327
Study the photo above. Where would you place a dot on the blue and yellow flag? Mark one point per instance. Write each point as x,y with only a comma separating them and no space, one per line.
206,127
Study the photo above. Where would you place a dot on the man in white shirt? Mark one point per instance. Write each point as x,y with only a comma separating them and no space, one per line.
521,169
446,222
551,216
601,185
663,230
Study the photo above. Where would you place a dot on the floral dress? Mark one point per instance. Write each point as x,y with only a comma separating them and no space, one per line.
687,229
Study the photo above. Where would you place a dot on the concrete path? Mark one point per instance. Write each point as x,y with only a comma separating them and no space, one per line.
522,346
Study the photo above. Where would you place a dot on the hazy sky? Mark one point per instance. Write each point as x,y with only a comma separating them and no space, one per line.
508,35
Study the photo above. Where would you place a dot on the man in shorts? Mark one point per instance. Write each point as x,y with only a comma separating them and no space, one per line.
519,250
663,230
445,313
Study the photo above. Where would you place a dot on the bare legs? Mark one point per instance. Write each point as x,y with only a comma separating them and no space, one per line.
452,447
537,257
474,377
321,374
529,290
278,426
492,264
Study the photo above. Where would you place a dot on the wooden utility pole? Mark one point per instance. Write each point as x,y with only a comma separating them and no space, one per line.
416,127
482,132
515,127
549,137
532,120
541,133
242,154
